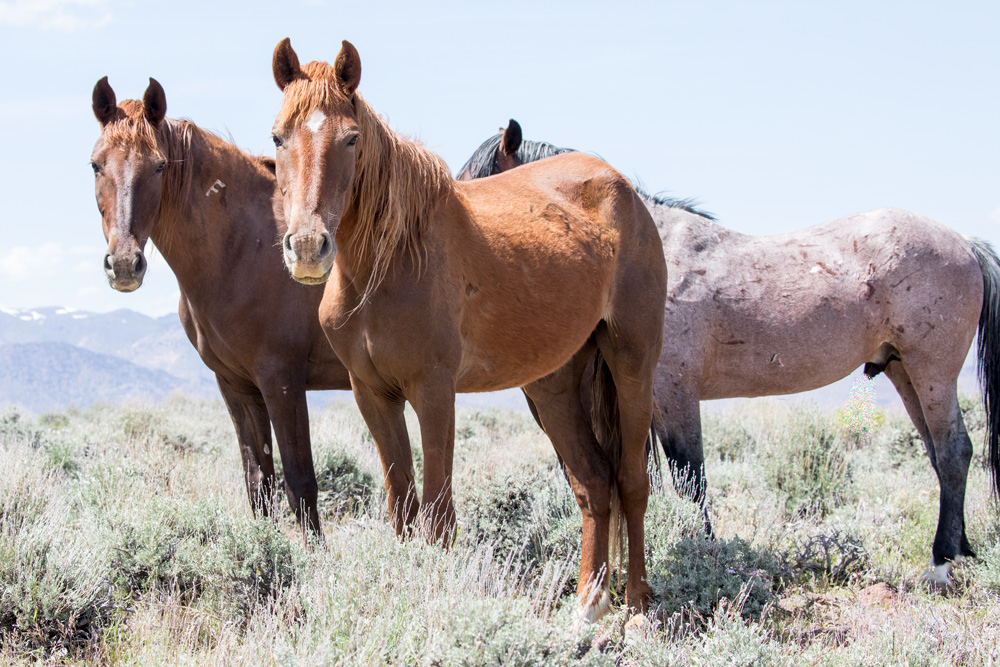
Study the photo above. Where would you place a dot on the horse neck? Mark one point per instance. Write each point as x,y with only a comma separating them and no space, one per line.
397,185
195,217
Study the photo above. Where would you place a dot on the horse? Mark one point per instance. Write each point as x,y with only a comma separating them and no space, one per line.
754,316
435,287
214,213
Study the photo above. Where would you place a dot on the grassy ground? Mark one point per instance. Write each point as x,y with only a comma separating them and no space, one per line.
126,538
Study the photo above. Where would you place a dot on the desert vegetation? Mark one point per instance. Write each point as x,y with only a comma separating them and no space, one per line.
126,538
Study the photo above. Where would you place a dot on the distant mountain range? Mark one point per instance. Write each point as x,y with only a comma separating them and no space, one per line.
52,358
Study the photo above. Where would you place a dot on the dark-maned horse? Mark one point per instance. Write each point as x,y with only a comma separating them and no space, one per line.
214,212
757,316
437,287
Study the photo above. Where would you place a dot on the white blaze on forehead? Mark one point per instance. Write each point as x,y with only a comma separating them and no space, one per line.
315,121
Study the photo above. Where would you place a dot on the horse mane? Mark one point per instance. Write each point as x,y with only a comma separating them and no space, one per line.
689,204
397,182
484,161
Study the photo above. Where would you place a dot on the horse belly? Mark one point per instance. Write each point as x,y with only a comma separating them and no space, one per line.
787,355
512,340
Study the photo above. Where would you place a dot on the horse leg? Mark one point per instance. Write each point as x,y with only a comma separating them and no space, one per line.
681,439
952,454
632,369
557,399
383,413
253,433
286,403
434,402
901,381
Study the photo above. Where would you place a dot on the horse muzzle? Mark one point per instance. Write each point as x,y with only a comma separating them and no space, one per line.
125,270
309,256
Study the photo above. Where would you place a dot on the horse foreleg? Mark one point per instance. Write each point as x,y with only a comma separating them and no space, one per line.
383,414
253,433
679,433
434,402
286,403
557,399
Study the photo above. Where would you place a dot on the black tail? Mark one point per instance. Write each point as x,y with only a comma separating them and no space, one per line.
989,353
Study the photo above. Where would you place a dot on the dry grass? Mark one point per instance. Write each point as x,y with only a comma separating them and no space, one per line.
125,538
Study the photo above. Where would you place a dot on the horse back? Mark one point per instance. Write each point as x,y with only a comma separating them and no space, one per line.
536,254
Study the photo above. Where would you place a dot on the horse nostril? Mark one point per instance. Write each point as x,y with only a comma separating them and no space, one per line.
108,268
326,248
287,245
138,264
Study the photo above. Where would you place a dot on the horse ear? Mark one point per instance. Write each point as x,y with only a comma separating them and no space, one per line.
285,64
511,138
347,67
104,102
154,102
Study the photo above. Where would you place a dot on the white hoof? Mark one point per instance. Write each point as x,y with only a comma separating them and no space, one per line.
591,613
939,575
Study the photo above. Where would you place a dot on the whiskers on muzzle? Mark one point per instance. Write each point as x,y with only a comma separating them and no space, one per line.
309,255
125,270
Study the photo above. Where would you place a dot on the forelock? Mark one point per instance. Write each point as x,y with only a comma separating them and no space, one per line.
130,128
319,90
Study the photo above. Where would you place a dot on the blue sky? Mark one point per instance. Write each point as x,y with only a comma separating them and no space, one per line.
774,115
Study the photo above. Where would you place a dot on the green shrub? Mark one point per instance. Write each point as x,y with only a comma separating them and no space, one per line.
696,573
198,553
525,517
54,577
728,438
343,487
808,465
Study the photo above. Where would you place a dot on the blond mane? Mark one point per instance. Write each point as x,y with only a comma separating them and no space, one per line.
397,182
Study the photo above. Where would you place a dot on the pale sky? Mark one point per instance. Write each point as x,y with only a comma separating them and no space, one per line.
774,115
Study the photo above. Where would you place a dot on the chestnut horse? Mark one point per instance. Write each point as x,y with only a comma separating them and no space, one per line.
437,287
214,212
757,316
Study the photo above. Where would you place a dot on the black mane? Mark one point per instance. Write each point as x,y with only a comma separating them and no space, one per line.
483,163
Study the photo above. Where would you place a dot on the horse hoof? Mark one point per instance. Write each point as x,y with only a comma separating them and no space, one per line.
938,576
637,627
593,612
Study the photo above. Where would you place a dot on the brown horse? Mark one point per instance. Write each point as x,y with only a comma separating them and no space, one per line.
758,316
437,287
214,213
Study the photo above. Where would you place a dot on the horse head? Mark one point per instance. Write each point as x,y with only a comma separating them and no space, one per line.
316,136
495,155
128,169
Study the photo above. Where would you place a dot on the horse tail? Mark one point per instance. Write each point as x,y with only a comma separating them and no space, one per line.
989,353
606,422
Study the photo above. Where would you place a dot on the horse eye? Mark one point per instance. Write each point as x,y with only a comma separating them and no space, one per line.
159,167
94,166
276,140
353,140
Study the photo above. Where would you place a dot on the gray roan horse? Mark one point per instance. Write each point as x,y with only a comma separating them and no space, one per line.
215,214
758,316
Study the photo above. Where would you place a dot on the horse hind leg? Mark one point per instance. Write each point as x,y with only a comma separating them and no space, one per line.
631,364
557,400
950,450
